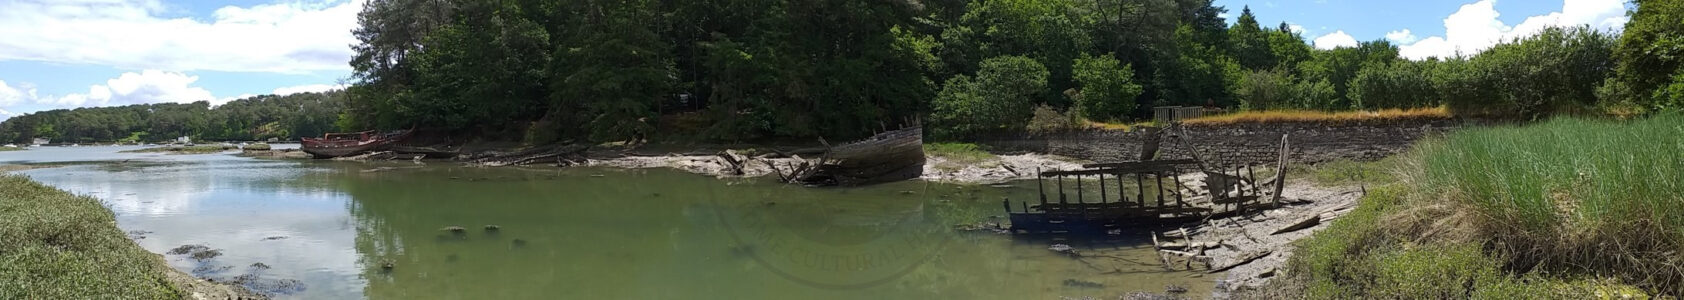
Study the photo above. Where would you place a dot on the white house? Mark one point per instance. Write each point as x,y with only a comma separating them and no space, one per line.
40,141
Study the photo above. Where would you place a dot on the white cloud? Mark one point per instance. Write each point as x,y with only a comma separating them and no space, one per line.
1402,36
150,86
1335,40
1475,27
313,88
10,95
289,37
1295,28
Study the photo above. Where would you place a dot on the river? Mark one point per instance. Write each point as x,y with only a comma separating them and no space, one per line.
327,229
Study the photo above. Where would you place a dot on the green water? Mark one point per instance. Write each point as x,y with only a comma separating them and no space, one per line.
581,233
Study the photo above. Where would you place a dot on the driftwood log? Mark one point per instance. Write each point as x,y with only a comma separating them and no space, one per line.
562,154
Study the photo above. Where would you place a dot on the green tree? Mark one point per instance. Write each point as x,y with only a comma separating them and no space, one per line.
1107,90
1651,53
1250,42
1396,85
1265,89
999,97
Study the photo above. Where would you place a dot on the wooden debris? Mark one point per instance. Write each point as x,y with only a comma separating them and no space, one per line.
1280,170
1306,222
1248,259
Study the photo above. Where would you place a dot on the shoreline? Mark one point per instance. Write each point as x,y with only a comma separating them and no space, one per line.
55,238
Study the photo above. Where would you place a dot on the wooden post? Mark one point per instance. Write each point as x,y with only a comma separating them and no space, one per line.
1060,189
1079,189
1159,176
1280,172
1140,189
1252,171
1008,204
1122,190
1039,186
1178,200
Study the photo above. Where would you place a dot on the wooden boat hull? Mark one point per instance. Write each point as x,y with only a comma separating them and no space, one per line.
326,148
890,156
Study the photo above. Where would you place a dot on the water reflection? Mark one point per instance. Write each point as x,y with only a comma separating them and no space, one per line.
582,233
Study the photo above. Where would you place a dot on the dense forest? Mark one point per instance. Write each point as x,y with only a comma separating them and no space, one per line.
250,119
542,71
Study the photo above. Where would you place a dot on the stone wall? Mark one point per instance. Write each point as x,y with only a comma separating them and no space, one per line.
1232,145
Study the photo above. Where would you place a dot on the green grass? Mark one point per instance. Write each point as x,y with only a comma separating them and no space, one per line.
4,149
1568,208
963,152
54,245
1574,195
958,155
197,149
1346,172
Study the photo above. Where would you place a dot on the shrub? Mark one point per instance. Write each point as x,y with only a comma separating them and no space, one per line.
1049,120
1107,93
1001,96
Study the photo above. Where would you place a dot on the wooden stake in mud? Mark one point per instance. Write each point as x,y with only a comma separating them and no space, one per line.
1280,172
1160,178
1079,188
1122,190
1140,191
1178,201
1060,190
1040,186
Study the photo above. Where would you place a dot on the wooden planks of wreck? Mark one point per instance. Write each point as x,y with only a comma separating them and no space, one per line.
1153,200
889,156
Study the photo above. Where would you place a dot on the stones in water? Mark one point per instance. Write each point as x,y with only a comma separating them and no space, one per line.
1065,249
259,266
386,265
1077,283
1175,289
185,249
272,238
493,228
454,229
206,254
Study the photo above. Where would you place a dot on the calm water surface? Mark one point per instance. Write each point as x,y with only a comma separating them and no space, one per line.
578,233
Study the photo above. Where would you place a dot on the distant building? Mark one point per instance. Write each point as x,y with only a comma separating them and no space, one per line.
184,140
40,141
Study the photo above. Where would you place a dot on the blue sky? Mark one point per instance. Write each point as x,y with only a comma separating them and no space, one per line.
81,53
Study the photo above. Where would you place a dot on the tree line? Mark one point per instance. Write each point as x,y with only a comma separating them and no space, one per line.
250,119
543,71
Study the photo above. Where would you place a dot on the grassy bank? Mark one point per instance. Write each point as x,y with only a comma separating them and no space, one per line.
4,149
198,149
957,155
54,245
1564,209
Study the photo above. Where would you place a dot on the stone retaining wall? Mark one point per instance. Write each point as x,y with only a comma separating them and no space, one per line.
1232,145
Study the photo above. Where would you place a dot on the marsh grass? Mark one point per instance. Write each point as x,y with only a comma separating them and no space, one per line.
1588,196
1568,208
1277,116
4,149
54,245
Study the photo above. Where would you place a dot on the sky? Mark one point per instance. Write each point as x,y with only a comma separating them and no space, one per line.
84,53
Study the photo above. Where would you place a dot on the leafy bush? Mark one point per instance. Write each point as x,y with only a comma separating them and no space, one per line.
1049,120
1396,85
999,97
1265,89
1107,93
